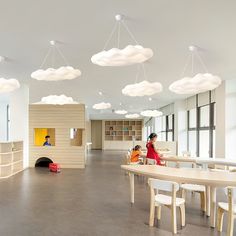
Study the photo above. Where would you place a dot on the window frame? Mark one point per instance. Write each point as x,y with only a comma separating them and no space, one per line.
167,127
198,128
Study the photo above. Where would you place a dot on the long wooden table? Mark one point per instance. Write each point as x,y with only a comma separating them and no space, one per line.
202,161
194,176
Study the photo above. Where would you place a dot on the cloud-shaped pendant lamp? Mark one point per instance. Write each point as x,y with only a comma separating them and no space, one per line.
55,74
8,85
151,113
198,84
102,106
121,112
51,74
57,100
132,116
143,88
129,55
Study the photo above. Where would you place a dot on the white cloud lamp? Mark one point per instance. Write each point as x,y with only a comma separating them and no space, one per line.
55,74
151,113
102,106
121,112
57,100
198,83
8,85
143,88
129,55
132,116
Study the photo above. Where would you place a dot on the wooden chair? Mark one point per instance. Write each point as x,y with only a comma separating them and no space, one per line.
195,188
228,207
158,200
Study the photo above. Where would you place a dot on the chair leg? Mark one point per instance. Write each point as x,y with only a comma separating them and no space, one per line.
152,214
174,223
220,216
230,227
182,214
203,201
159,212
183,193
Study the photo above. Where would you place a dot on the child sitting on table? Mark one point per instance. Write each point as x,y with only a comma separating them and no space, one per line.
136,154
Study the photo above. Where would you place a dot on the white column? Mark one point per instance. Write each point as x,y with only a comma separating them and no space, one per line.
180,129
230,118
220,121
19,116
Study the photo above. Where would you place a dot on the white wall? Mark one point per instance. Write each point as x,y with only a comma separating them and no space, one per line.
3,118
230,119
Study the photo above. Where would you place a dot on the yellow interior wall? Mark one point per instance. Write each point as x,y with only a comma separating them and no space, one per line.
39,136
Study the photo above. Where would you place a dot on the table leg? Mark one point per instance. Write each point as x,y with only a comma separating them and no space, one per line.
213,206
131,179
208,201
204,166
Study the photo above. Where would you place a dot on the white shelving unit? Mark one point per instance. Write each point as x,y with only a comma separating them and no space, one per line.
11,158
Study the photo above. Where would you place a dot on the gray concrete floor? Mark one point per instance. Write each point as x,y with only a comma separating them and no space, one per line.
94,201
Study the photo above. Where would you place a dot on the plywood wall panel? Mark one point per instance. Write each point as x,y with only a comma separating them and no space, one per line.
62,118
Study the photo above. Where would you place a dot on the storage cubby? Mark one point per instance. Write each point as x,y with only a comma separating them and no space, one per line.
6,171
17,146
11,158
17,167
5,147
123,130
5,158
17,156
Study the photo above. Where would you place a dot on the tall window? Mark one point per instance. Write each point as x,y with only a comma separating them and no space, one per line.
170,128
166,131
192,131
201,130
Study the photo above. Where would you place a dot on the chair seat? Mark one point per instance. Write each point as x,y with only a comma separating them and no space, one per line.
193,187
225,206
161,199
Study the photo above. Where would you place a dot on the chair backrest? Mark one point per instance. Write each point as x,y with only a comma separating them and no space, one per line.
233,191
163,185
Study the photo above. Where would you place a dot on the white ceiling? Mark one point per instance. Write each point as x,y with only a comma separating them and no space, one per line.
82,27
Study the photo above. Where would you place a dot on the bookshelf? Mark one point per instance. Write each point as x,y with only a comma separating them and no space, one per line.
11,158
123,130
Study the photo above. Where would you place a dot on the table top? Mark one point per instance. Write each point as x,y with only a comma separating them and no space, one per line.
197,176
201,160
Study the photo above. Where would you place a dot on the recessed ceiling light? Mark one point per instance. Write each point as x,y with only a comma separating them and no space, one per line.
150,99
100,93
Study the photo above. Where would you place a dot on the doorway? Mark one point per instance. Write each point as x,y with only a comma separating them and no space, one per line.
96,134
